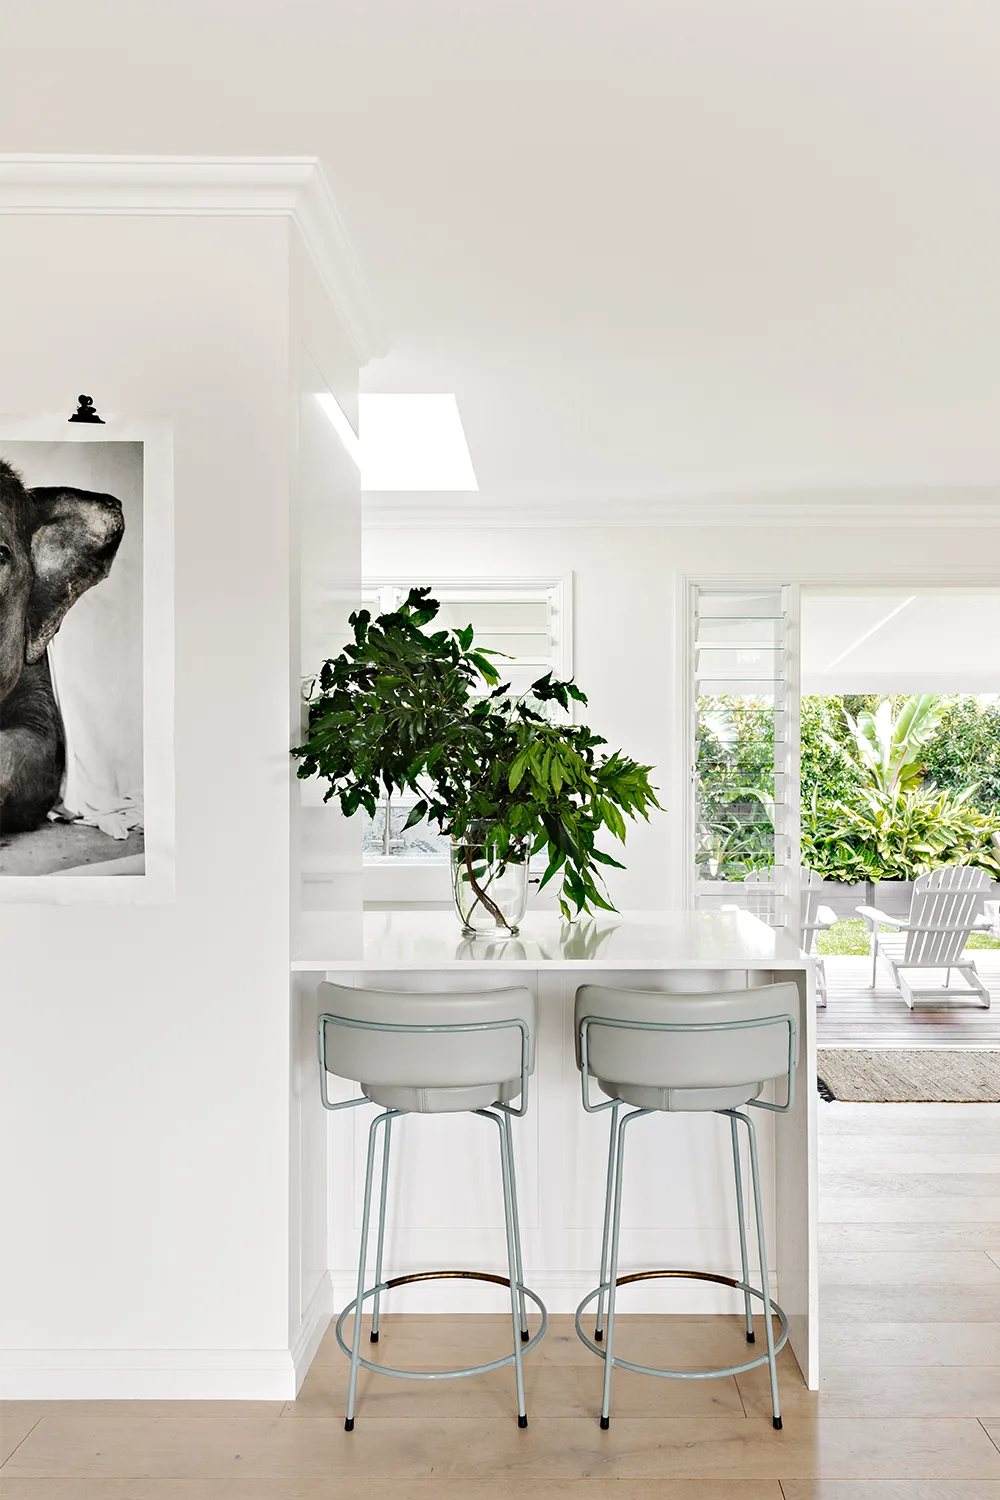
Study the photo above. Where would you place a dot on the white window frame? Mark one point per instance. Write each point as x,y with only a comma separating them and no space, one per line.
787,839
556,589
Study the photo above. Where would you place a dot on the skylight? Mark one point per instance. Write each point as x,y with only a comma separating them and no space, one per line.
406,442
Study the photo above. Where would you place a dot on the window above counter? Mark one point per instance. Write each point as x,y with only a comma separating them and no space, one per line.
528,620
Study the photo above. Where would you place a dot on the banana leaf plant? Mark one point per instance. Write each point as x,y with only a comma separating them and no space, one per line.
404,710
891,750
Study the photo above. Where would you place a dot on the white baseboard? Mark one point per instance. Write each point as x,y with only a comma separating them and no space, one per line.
315,1322
146,1375
168,1374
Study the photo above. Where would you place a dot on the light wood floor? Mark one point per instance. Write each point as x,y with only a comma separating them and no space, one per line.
855,1015
910,1406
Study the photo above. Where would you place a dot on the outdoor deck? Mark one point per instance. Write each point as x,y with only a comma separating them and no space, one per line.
858,1016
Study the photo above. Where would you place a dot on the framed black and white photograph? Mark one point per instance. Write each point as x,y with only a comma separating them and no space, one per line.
86,660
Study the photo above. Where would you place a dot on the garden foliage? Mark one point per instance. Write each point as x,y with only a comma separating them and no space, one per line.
890,789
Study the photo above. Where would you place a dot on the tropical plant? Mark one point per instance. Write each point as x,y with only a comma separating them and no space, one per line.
891,750
897,835
401,710
966,750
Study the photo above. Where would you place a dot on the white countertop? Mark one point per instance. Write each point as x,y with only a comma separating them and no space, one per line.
386,940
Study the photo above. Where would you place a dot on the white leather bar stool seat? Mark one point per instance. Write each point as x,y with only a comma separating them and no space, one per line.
436,1052
693,1053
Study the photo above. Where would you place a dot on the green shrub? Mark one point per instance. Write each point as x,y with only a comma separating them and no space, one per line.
897,835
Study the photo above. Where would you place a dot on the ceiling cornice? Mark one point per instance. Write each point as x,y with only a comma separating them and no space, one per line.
898,510
294,188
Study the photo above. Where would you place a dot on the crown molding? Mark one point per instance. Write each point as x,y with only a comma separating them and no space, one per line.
896,509
293,188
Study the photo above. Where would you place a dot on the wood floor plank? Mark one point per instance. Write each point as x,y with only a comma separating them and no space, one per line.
497,1487
878,1158
35,1410
416,1340
849,1345
905,1303
886,1268
905,1239
14,1428
892,1186
836,1207
634,1448
550,1391
872,1391
890,1489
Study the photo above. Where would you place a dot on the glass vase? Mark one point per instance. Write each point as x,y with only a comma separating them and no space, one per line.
490,895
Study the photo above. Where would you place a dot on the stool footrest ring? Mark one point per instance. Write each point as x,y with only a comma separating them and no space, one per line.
627,1364
494,1364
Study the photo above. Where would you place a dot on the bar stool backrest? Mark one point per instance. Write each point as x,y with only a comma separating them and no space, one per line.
372,1052
724,1039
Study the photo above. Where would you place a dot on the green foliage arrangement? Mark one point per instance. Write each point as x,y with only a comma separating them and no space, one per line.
402,710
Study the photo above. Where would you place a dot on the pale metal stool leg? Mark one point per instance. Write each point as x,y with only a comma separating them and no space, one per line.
764,1278
612,1145
362,1261
751,1337
522,1305
512,1257
373,1336
616,1225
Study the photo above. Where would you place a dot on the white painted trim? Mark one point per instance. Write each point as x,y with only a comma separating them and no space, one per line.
315,1322
147,1375
965,506
294,188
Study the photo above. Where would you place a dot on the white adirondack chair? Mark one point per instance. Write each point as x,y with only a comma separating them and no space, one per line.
814,917
946,906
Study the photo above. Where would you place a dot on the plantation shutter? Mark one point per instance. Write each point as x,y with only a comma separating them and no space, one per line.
744,749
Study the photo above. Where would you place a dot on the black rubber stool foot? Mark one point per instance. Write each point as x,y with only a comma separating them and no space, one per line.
751,1338
373,1338
349,1424
776,1423
522,1421
605,1423
598,1334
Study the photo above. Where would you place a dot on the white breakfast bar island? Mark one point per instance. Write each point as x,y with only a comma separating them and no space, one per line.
443,1203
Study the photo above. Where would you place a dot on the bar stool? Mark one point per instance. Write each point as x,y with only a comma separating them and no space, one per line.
677,1053
433,1053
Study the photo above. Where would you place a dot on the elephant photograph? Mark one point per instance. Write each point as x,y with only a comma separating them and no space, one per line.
71,658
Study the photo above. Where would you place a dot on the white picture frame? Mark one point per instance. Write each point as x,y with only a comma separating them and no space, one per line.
155,883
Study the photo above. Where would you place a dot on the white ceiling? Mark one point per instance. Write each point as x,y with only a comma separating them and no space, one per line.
659,247
900,643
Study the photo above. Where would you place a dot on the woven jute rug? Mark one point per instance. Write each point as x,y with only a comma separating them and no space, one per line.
900,1075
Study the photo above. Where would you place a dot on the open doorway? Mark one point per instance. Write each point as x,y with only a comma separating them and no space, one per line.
899,764
847,755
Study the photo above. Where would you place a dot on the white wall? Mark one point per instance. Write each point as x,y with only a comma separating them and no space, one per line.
144,1051
628,608
326,847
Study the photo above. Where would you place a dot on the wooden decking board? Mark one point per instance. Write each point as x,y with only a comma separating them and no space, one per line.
857,1016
